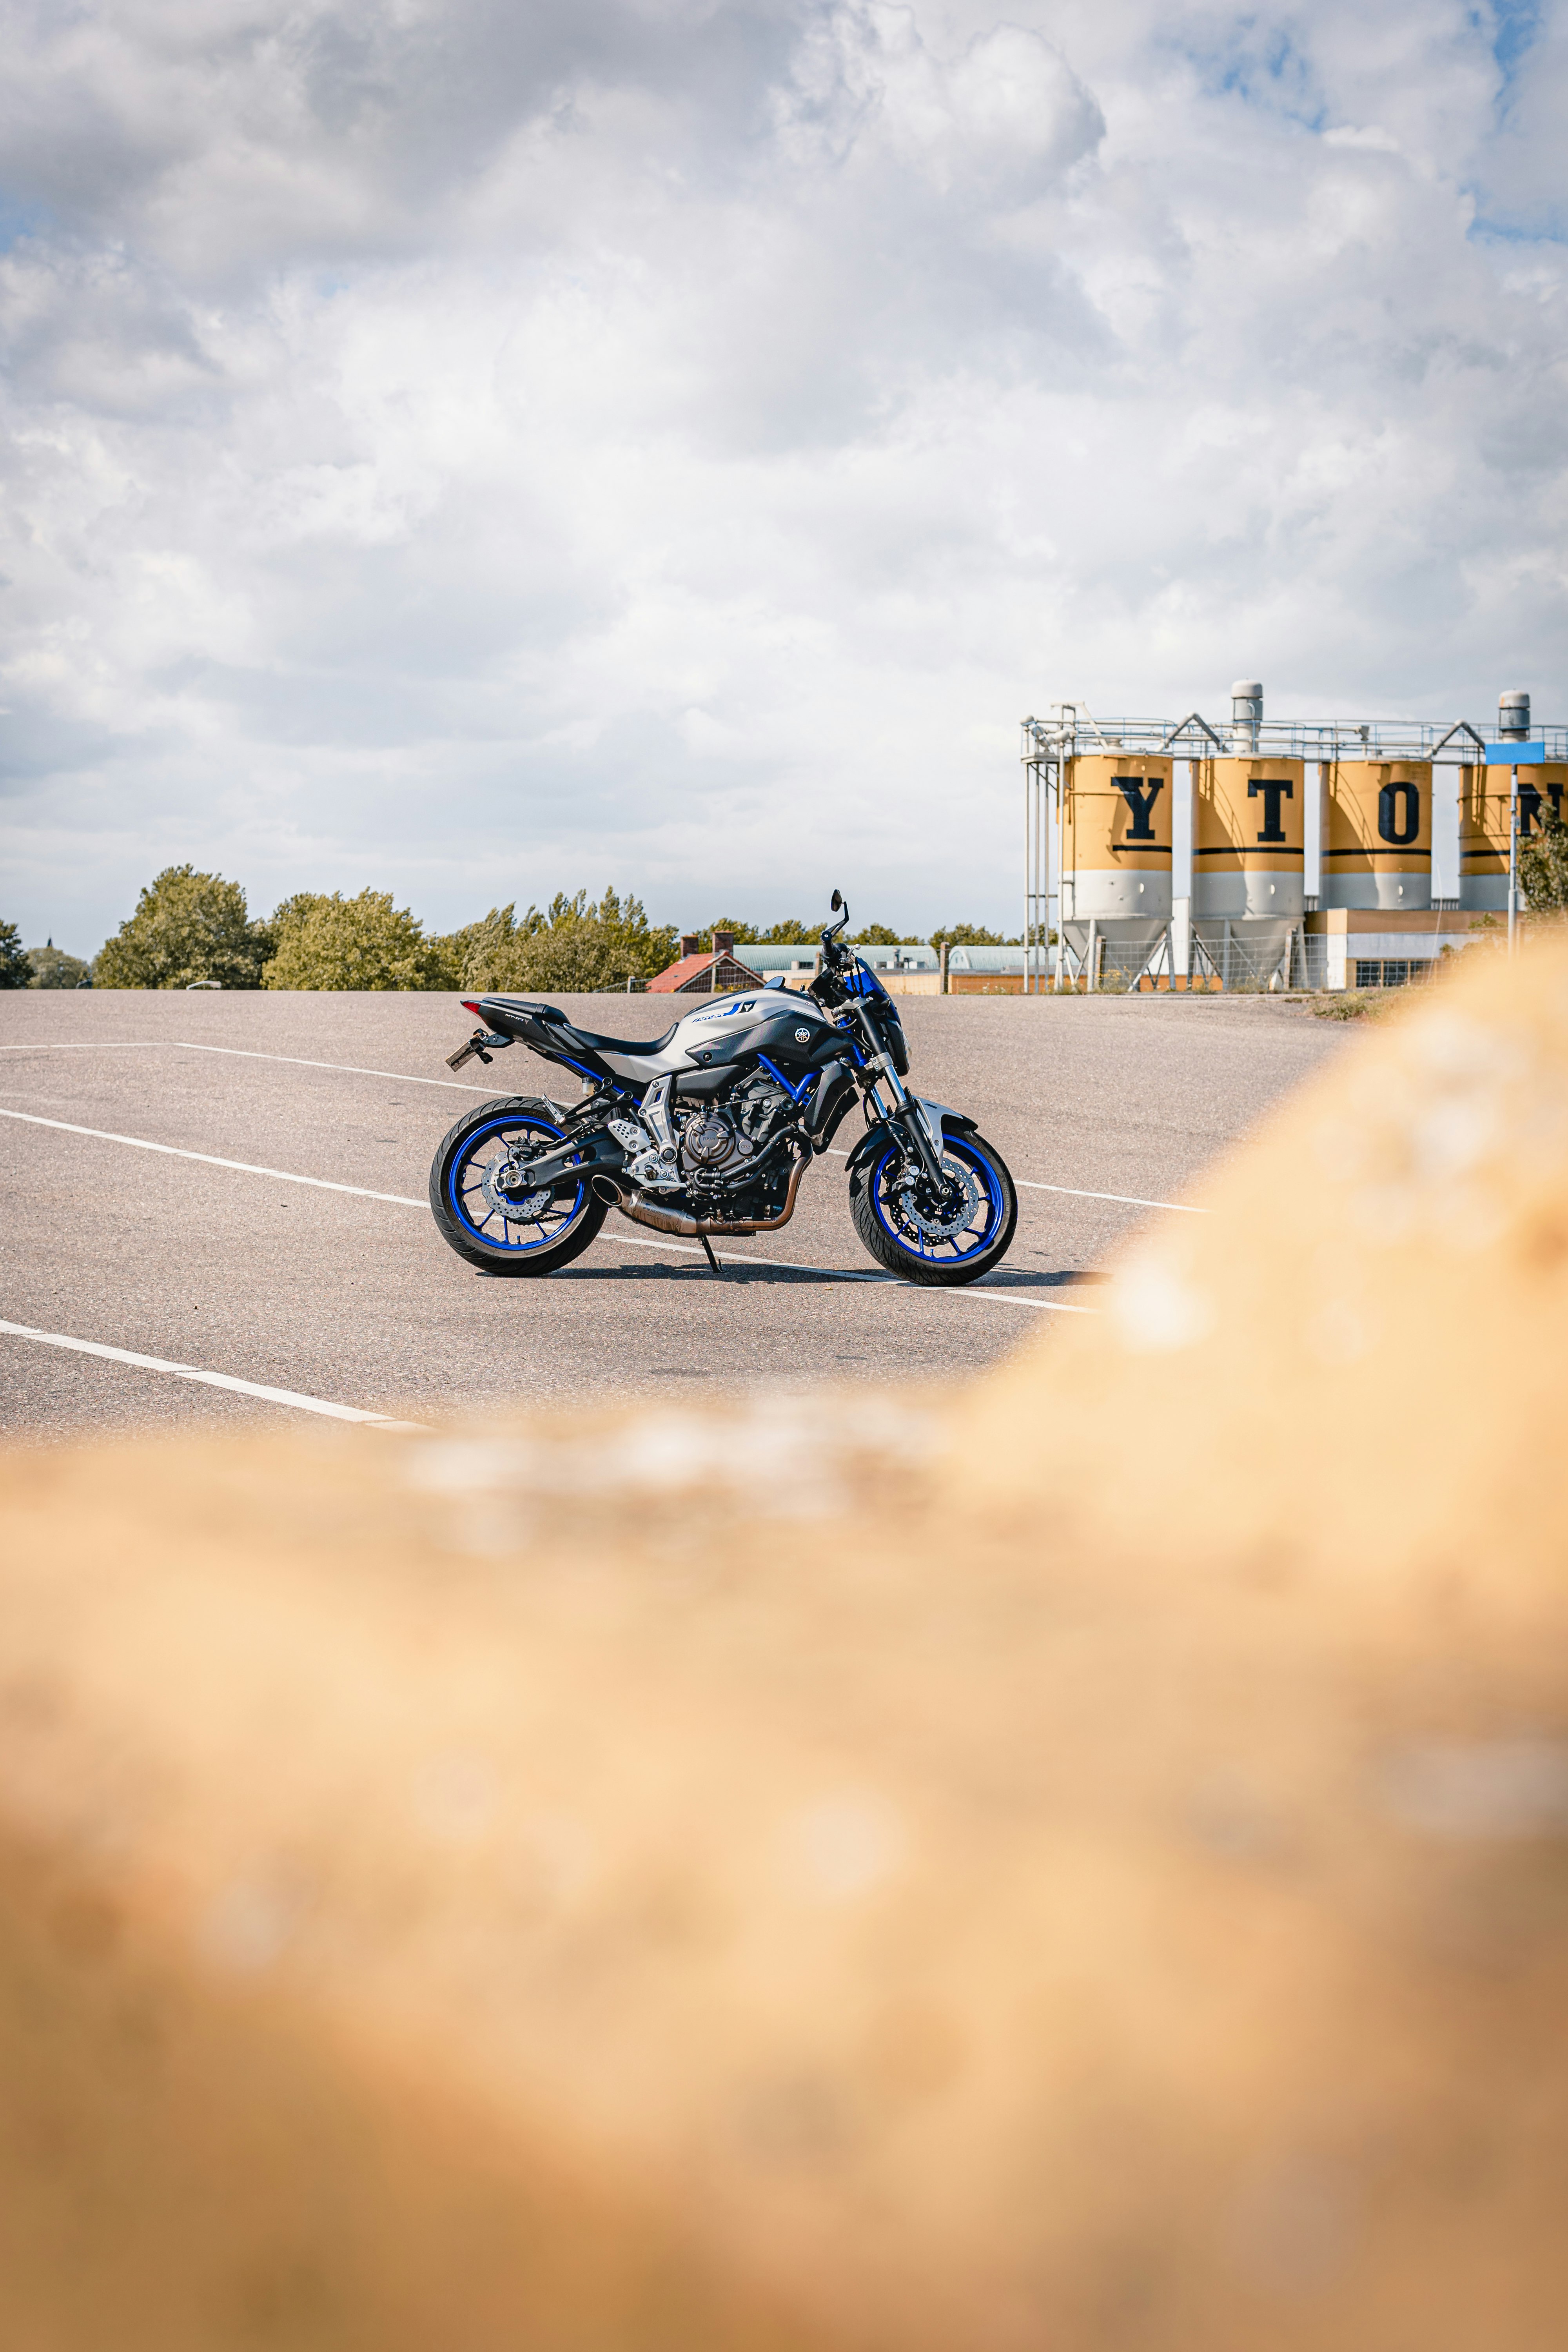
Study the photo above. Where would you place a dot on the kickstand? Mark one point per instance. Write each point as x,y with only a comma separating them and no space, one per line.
709,1254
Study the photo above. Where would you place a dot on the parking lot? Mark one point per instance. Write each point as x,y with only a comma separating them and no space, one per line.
278,1238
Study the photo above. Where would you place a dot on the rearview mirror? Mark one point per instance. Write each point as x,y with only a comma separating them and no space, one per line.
838,902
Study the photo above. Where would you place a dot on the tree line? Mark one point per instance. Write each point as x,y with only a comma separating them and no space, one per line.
191,927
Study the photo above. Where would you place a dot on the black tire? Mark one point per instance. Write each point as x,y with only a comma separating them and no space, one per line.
566,1223
888,1226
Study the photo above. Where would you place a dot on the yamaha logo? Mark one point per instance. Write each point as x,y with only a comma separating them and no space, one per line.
803,1037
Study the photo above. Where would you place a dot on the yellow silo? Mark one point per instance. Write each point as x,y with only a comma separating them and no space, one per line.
1377,839
1249,840
1484,827
1116,838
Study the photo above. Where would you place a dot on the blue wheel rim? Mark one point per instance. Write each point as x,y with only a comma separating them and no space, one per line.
968,1243
465,1199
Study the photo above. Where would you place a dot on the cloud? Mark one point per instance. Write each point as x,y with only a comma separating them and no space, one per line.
479,451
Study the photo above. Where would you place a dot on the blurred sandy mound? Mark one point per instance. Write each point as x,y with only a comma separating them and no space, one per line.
1347,1360
1085,1868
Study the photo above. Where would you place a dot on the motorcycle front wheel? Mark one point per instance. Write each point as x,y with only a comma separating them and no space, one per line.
481,1212
937,1237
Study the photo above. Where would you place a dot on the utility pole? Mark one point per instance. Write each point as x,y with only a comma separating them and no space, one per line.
1513,861
1514,749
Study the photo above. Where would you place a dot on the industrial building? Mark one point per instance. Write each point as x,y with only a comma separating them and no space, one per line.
1101,808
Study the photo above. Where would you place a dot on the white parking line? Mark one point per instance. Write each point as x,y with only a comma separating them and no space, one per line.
244,1167
461,1086
353,1069
1129,1200
404,1201
207,1380
244,1054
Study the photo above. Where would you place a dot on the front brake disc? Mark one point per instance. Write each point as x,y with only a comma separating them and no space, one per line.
941,1228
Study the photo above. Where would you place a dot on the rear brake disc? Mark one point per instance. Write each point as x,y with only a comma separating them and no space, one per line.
520,1208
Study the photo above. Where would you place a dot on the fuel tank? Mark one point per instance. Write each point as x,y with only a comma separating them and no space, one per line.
781,1024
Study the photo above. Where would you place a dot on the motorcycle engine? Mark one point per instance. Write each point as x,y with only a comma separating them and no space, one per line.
710,1139
719,1141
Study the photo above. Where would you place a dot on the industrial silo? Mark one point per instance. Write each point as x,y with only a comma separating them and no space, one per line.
1484,825
1483,839
1377,838
1115,861
1248,849
1484,813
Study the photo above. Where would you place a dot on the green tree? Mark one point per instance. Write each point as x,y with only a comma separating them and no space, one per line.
878,935
574,945
791,932
15,972
187,927
333,942
52,968
966,935
1543,868
741,930
479,948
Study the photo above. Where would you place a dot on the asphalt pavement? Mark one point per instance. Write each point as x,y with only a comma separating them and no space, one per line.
1106,1109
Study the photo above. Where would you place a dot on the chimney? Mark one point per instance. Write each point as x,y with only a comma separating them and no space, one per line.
690,944
1513,713
723,943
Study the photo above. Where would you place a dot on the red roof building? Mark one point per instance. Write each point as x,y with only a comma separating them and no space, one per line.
705,971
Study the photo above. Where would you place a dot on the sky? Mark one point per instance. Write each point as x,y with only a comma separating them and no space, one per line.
482,449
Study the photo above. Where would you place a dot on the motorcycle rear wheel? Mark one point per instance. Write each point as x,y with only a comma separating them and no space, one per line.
889,1219
471,1211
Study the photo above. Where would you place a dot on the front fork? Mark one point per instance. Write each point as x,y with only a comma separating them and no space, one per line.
906,1111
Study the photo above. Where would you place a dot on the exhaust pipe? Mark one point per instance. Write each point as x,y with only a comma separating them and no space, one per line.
642,1212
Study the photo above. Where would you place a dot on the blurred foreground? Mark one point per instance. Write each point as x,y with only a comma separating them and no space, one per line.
1083,1867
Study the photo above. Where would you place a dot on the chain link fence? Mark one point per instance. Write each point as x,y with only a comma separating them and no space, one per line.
1243,966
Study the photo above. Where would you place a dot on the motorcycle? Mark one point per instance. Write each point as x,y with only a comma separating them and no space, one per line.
710,1129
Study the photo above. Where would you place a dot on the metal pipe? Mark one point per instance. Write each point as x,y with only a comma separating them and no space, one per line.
1246,715
1030,773
1061,869
641,1211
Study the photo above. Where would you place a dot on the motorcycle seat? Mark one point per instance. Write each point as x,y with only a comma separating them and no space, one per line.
527,1008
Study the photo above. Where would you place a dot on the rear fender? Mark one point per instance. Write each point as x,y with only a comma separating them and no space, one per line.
556,1113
